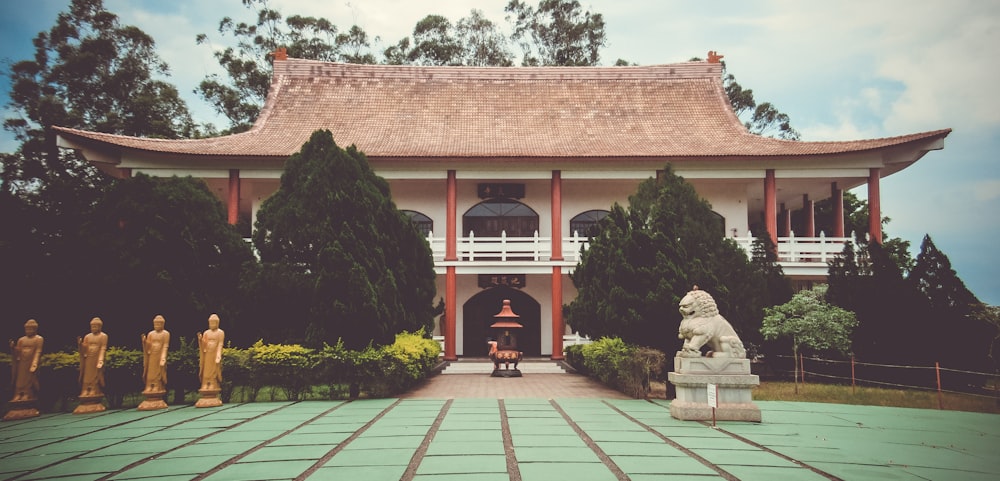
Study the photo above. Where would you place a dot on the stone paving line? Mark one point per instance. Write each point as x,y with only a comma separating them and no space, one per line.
501,438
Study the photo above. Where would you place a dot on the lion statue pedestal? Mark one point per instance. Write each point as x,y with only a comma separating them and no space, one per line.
725,366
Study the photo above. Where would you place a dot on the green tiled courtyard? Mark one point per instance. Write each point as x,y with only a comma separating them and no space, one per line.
578,439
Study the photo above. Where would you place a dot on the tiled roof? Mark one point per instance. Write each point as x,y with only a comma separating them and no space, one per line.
676,110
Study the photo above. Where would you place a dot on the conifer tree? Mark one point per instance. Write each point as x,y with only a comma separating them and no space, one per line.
646,257
953,309
161,245
332,228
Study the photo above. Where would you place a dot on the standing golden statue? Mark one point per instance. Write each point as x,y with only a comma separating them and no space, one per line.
92,348
24,359
154,366
210,368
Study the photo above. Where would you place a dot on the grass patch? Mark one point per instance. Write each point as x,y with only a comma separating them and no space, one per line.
867,396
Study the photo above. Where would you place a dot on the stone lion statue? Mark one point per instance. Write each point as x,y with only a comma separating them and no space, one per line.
703,325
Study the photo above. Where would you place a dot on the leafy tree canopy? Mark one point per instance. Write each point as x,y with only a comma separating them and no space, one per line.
332,228
557,32
91,72
248,64
472,41
759,118
810,322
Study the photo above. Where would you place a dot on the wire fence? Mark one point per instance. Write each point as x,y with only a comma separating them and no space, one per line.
855,373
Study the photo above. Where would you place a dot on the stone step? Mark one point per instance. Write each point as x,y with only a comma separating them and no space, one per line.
484,366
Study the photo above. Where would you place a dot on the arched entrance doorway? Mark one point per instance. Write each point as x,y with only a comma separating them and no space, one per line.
478,314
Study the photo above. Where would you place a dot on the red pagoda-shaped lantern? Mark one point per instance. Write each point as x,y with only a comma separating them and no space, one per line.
503,350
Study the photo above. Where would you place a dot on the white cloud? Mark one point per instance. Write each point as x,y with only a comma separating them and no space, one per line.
986,190
945,58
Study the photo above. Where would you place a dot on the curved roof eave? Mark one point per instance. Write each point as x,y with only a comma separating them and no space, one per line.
450,113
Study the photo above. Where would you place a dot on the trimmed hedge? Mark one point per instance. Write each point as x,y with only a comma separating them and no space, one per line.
287,371
622,366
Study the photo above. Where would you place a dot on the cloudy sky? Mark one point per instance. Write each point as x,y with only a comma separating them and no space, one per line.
842,70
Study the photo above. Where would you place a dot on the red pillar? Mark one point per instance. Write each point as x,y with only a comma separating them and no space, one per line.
771,205
557,255
451,240
450,314
557,319
124,173
837,195
874,206
233,203
810,210
450,282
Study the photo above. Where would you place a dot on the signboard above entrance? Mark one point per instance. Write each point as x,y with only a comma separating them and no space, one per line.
511,191
496,280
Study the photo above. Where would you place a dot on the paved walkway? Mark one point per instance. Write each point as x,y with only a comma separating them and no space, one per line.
454,436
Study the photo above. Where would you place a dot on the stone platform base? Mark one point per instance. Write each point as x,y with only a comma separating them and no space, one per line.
90,404
702,412
153,401
506,373
21,410
732,377
209,398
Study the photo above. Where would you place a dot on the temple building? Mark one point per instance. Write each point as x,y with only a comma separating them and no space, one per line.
506,169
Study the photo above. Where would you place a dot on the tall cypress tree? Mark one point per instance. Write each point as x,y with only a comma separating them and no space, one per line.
332,227
952,309
646,257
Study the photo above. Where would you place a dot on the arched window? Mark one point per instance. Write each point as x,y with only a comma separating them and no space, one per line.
585,223
423,223
491,217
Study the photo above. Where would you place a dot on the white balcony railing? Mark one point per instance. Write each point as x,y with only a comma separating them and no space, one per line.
814,252
504,248
801,251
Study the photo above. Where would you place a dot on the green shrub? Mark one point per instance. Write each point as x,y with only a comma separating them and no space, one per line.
619,365
604,359
288,367
574,357
236,372
405,362
379,371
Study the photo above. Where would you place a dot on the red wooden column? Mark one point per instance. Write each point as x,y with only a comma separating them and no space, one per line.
809,207
557,255
771,205
874,206
233,203
450,281
837,196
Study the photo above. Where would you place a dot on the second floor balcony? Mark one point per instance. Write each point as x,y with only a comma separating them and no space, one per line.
798,256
